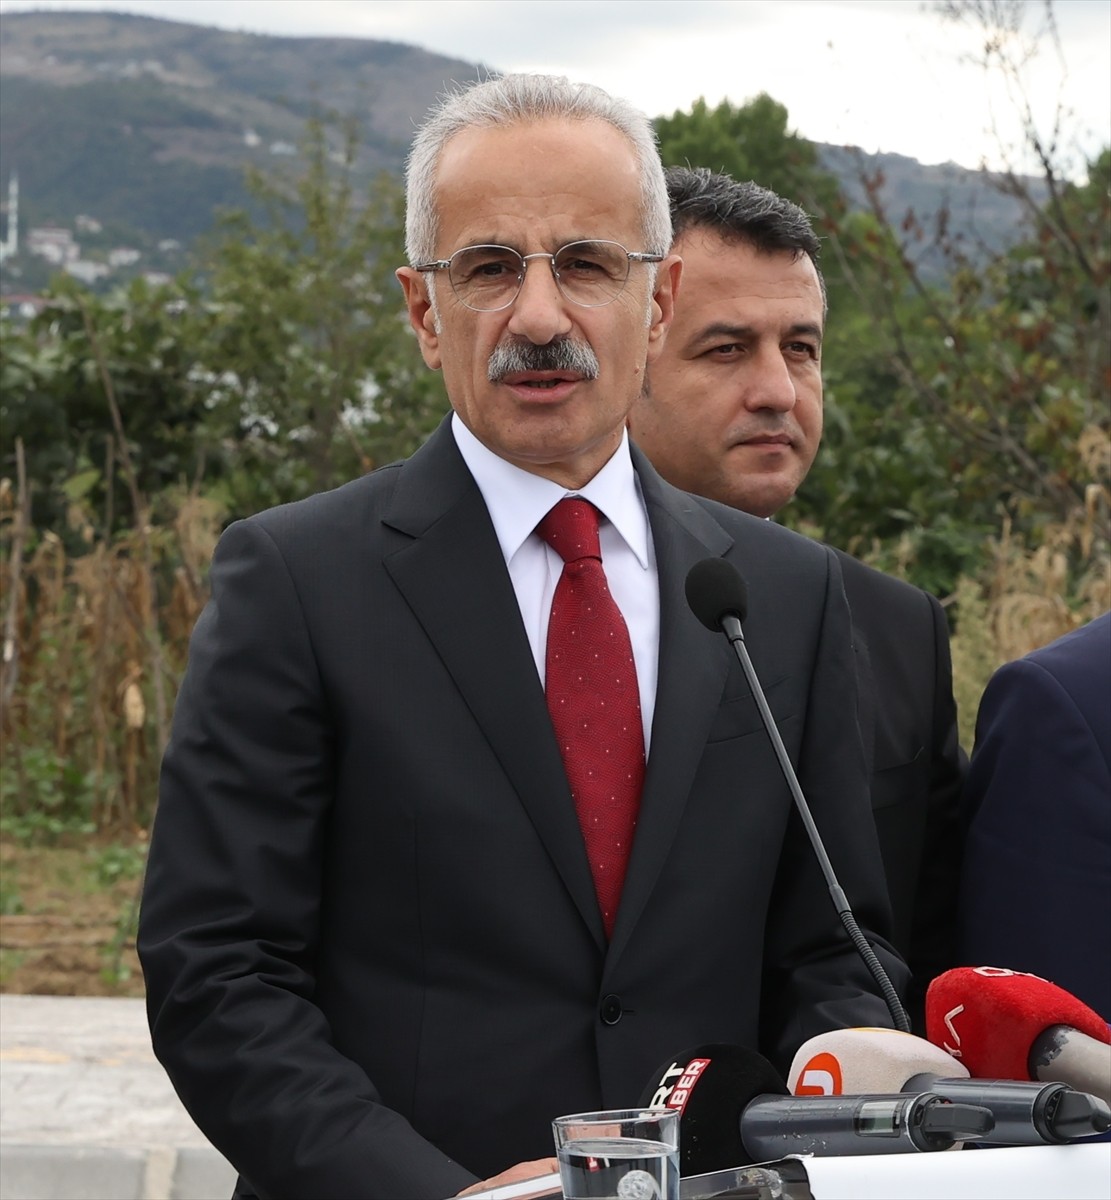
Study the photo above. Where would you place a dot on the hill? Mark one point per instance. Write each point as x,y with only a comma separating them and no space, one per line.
148,124
142,127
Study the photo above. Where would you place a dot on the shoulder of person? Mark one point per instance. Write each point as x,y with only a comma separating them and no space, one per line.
866,583
1087,648
321,509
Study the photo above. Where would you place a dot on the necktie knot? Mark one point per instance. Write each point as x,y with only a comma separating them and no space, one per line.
571,529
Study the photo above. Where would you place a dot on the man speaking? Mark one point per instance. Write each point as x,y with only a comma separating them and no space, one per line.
466,820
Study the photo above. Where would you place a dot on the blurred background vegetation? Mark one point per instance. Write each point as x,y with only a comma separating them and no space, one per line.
968,411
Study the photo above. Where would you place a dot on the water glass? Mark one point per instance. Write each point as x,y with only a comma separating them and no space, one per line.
623,1154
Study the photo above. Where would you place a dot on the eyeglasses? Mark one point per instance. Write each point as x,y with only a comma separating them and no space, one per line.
489,278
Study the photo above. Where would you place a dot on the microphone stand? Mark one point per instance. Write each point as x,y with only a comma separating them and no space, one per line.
731,627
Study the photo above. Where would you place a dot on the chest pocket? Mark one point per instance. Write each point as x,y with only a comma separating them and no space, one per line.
738,716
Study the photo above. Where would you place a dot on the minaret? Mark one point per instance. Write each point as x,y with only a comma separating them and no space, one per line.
10,245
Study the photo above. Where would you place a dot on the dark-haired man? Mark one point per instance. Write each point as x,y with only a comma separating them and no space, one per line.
732,409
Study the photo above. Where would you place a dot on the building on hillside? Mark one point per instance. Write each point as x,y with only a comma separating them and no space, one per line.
21,306
54,243
86,270
123,256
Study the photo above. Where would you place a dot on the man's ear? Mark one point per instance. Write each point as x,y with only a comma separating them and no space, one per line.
415,285
668,274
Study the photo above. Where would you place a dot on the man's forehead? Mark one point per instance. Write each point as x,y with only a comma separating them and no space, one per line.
535,185
534,137
705,242
714,268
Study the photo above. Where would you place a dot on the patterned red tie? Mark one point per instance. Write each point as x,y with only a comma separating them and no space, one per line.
591,686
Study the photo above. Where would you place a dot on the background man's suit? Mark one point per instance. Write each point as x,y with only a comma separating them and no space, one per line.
403,945
1036,891
909,724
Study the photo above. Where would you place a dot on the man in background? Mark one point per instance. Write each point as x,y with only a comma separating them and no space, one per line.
732,410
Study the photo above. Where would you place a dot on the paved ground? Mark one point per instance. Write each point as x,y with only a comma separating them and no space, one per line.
86,1113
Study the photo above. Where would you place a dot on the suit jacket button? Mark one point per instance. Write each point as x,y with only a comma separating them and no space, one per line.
610,1011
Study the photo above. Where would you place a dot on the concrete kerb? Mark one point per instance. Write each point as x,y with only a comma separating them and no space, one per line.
87,1112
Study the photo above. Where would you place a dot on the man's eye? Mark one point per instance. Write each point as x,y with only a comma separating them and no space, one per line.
484,267
489,270
808,349
582,267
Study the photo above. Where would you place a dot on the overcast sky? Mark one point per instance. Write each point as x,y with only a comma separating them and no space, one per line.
886,75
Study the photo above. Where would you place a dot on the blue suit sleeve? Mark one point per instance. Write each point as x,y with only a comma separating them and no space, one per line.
1036,885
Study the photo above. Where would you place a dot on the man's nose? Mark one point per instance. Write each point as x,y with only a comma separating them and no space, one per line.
540,312
769,384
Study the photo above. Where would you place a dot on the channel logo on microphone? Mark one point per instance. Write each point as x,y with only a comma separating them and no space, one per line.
676,1095
820,1076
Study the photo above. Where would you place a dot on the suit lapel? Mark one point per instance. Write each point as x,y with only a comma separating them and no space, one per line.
693,666
453,577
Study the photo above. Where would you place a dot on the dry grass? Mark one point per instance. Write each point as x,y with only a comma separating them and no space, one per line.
83,706
1028,596
81,730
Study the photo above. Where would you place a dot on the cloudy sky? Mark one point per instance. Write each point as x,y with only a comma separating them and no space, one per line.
886,75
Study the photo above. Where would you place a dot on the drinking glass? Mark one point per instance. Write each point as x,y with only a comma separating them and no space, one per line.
622,1154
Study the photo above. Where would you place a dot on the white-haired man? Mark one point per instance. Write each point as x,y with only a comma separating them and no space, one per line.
466,821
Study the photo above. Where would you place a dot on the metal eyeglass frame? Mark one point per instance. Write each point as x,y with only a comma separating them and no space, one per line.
632,256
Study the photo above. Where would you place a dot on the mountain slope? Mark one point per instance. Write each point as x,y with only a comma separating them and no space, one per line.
147,125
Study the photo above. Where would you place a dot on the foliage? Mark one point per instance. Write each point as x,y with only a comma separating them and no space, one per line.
282,365
119,861
83,732
52,397
981,401
45,797
953,403
310,352
750,141
966,444
135,424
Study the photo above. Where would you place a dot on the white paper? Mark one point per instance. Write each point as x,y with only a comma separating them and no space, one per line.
541,1185
1076,1172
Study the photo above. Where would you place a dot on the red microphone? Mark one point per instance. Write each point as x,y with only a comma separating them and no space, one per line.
1005,1024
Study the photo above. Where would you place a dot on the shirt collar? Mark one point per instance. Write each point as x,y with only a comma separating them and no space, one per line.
518,500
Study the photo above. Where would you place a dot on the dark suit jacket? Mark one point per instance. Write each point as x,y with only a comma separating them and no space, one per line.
909,725
1036,892
374,959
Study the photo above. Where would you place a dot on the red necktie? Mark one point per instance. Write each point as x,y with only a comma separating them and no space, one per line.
591,685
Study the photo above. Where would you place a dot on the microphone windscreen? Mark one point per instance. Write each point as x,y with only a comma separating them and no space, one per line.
859,1062
711,1086
715,590
989,1018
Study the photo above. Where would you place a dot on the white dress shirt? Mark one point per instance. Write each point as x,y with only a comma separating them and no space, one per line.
518,501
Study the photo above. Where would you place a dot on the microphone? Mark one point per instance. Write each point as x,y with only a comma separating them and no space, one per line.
1008,1024
847,1061
734,1110
718,597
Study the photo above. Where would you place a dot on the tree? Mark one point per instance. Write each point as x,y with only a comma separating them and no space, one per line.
281,364
749,142
990,389
143,343
311,358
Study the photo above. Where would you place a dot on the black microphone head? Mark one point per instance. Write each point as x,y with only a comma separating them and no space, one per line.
715,590
711,1086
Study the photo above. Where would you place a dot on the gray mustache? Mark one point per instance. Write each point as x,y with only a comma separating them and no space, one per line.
562,355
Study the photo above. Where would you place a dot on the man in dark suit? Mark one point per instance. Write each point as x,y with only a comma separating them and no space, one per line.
1036,890
733,411
380,935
